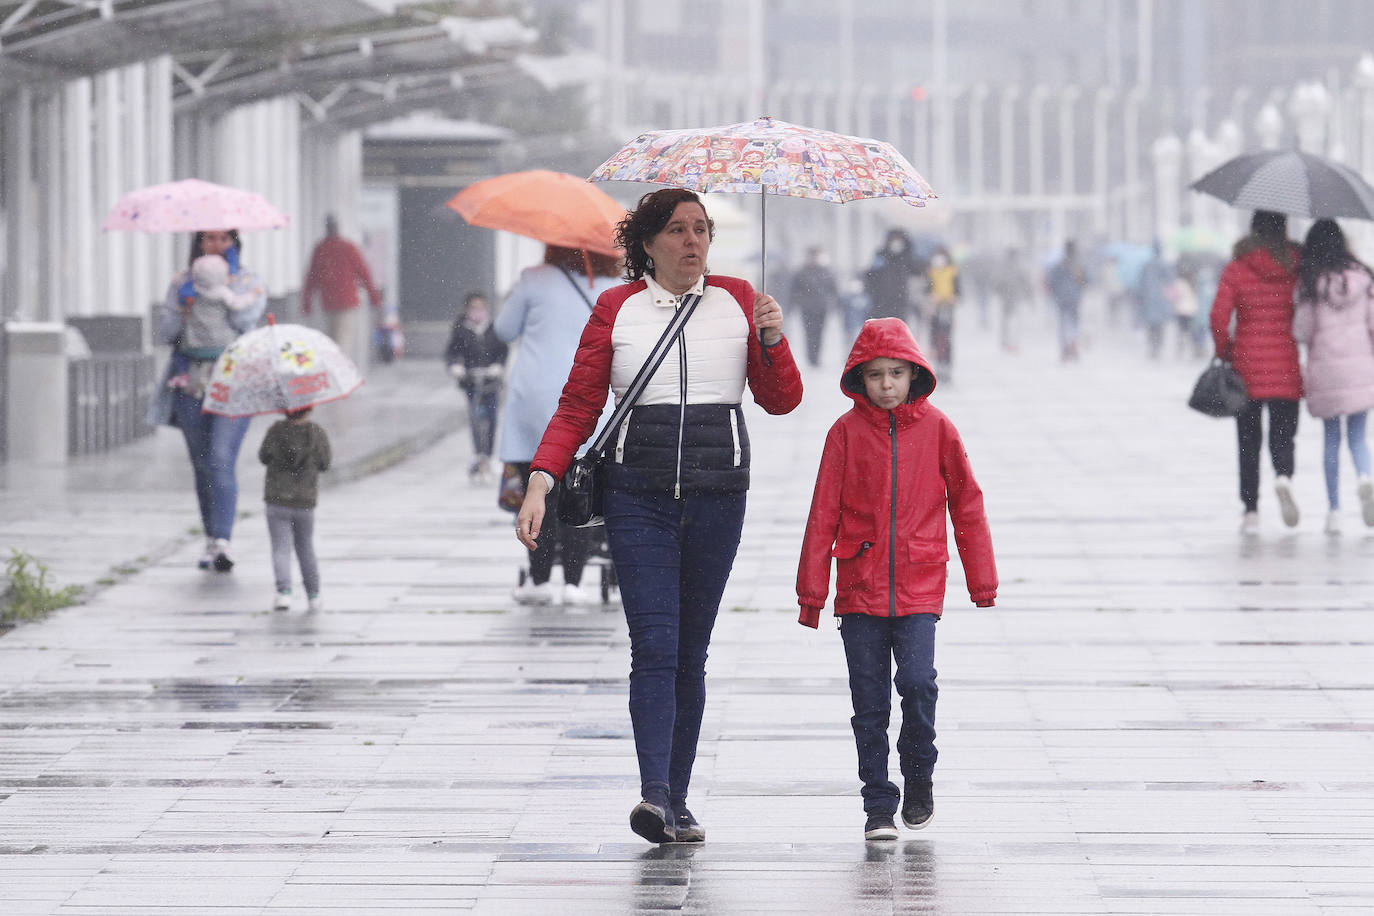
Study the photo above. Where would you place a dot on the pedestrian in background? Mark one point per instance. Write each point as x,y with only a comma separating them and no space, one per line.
1334,319
295,451
677,477
891,469
546,312
212,441
815,292
889,277
943,289
1014,289
476,358
1066,281
1156,291
1255,295
336,270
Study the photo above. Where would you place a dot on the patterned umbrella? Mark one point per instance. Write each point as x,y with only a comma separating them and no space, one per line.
1292,182
193,206
765,157
279,367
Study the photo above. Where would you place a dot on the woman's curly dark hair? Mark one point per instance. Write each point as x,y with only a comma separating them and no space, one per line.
647,220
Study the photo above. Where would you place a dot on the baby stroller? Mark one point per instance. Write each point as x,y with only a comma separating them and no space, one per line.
598,558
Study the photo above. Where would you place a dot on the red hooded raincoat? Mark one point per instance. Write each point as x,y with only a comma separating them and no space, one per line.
885,483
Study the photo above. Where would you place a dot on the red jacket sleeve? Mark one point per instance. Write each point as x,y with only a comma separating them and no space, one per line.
774,379
822,525
584,394
971,533
364,275
1222,307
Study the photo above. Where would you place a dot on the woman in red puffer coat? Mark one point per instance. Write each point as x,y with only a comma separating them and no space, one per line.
1256,288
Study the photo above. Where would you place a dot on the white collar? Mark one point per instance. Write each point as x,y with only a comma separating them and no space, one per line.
662,297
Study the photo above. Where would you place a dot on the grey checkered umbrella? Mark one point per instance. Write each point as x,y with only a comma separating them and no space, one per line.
1292,182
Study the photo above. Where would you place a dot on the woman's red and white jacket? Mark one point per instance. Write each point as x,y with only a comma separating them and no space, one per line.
670,442
886,480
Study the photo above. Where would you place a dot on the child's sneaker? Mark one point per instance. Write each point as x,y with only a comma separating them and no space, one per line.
314,603
1366,491
1287,504
207,556
1249,523
282,601
918,803
880,827
223,561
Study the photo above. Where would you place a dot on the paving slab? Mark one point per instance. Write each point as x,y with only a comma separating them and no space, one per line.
1158,717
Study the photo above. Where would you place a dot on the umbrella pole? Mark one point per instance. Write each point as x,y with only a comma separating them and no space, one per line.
763,249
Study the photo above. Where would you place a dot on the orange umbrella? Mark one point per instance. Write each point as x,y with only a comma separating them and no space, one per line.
550,207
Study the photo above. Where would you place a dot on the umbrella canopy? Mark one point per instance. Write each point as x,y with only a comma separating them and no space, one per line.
1292,182
549,207
768,156
193,205
279,367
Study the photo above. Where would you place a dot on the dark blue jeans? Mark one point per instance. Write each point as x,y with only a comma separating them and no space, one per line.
672,558
213,443
870,646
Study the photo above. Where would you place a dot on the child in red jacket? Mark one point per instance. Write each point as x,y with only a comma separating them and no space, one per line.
892,466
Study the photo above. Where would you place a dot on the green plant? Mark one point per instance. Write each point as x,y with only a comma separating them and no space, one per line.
29,595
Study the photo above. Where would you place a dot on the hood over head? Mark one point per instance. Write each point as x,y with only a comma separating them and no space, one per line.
889,337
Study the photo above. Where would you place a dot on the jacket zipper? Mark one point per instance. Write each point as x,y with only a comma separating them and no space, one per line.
892,523
682,404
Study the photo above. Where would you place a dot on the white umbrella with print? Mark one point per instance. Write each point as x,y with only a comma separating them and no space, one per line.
277,368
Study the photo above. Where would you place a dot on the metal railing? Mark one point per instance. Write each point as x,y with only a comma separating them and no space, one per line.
108,396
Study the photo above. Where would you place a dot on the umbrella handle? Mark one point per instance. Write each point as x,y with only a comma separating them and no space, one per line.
763,249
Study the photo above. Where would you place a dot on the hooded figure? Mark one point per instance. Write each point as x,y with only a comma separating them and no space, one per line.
886,480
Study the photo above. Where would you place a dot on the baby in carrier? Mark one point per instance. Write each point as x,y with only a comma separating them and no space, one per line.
207,301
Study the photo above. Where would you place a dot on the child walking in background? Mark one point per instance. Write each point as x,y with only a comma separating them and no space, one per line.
476,358
295,450
892,466
1334,318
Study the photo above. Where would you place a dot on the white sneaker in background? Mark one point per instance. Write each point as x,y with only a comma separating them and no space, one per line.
1366,491
282,601
1333,522
1288,506
207,557
574,596
314,603
529,593
223,560
1249,523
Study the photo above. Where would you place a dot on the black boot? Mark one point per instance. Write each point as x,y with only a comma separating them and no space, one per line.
918,803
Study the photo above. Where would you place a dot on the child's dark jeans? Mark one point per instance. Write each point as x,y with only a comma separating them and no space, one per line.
870,646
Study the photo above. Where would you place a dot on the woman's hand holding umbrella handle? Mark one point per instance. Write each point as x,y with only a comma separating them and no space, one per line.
531,517
768,319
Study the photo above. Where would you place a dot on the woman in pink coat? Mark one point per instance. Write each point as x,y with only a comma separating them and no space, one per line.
1334,318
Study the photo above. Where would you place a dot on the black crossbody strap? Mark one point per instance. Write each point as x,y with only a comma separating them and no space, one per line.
646,371
577,286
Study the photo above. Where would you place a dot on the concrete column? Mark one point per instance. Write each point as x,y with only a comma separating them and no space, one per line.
159,168
17,138
1036,141
1068,141
1167,153
977,146
36,392
53,274
111,266
1130,152
1269,126
1102,104
1310,106
1006,185
80,216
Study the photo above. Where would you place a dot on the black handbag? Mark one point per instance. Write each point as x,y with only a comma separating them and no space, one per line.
1220,391
584,484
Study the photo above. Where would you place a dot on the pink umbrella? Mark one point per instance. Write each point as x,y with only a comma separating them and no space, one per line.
193,205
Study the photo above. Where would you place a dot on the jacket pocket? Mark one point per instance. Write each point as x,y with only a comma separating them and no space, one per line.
855,567
925,572
927,550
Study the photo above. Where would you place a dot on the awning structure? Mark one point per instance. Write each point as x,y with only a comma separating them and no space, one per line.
59,40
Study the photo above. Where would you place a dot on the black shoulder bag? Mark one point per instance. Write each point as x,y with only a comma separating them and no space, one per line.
584,485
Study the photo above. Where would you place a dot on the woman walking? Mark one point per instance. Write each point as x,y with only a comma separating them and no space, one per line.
1334,319
212,441
676,476
1256,288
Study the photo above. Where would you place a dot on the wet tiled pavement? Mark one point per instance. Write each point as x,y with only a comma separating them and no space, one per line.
1158,717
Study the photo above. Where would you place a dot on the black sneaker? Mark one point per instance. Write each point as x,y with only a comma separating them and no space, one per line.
653,823
880,827
688,830
918,803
